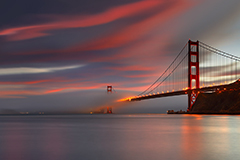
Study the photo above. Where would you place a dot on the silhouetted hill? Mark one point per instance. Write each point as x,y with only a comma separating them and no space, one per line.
225,100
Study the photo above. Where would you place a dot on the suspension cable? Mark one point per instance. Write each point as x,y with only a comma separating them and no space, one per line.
163,72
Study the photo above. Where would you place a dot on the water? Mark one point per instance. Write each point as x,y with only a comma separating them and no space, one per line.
120,137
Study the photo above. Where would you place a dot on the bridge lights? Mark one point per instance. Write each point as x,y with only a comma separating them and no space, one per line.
162,92
157,92
167,91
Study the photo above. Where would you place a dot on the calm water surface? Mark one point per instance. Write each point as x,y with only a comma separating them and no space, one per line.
120,137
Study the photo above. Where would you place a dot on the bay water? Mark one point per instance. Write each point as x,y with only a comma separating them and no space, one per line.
120,137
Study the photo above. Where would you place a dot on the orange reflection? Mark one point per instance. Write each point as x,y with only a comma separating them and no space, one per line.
191,136
197,116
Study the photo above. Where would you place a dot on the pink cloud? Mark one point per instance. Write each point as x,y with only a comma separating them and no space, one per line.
133,68
17,93
28,32
26,82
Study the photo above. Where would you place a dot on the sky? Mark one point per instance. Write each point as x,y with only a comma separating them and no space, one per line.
59,55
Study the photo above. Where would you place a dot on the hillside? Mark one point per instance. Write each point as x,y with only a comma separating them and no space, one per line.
222,101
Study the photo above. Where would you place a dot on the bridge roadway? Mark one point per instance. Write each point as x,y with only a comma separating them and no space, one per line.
176,93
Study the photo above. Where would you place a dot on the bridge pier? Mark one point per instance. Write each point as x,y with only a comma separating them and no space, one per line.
109,110
192,96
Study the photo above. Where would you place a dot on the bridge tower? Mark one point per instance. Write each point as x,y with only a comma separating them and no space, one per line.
193,72
109,90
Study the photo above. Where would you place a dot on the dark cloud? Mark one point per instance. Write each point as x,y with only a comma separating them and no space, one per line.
32,12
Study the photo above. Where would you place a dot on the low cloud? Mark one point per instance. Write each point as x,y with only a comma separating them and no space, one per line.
28,70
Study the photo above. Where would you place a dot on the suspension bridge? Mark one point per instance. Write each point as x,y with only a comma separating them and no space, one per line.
198,68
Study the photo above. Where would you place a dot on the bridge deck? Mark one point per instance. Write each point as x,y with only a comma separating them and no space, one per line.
176,93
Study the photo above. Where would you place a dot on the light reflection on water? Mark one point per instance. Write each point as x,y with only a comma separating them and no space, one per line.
71,137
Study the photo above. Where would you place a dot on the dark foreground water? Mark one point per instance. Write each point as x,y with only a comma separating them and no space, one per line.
120,137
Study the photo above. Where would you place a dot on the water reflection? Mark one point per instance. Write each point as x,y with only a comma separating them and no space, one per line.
210,137
53,142
183,137
13,142
191,137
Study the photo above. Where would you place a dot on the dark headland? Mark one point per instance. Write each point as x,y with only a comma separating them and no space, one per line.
224,100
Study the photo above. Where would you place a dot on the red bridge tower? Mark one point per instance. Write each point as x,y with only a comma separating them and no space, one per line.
193,72
109,90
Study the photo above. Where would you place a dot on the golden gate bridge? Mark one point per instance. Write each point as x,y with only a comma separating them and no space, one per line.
198,68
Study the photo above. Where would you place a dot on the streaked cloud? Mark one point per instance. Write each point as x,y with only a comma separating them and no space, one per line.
28,70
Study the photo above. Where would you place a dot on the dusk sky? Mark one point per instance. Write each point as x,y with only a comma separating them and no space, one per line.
61,55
